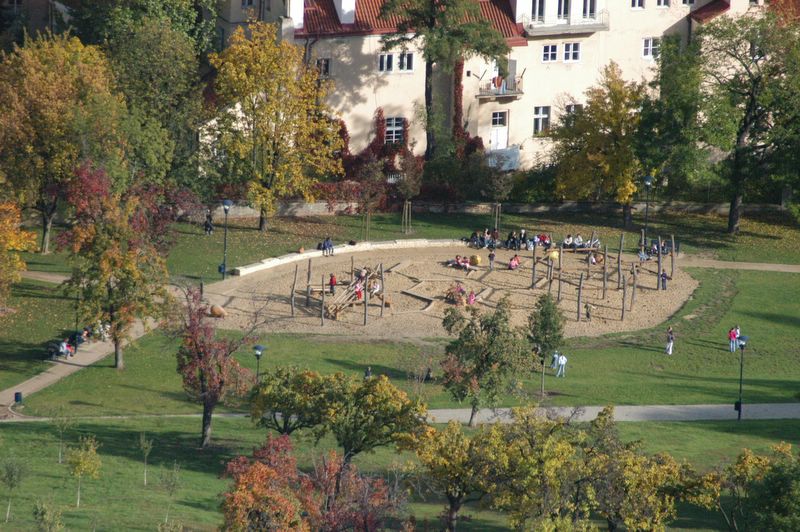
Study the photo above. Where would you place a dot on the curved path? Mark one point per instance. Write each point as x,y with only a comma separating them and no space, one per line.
90,354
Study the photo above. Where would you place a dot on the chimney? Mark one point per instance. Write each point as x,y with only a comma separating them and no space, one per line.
346,9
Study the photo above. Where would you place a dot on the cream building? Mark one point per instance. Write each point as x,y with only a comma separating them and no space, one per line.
558,48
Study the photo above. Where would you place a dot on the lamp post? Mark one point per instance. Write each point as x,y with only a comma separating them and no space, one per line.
648,182
223,268
738,406
258,350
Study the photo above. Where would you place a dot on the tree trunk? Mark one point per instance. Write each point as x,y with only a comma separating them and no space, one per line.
430,146
119,363
543,361
145,471
627,215
472,415
78,504
47,226
453,508
8,510
734,214
262,220
611,524
205,440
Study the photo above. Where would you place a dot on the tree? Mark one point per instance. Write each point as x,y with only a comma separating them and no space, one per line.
145,446
210,372
12,473
446,32
775,498
595,147
170,482
118,272
372,188
486,355
363,414
12,241
84,461
288,399
409,184
47,516
272,125
62,421
56,108
450,467
546,329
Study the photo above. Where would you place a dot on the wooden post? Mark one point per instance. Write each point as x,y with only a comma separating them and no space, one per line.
624,295
591,238
383,291
294,288
635,281
658,271
308,284
322,309
642,243
619,259
580,296
559,285
533,272
588,263
352,269
672,257
550,268
560,255
366,300
605,269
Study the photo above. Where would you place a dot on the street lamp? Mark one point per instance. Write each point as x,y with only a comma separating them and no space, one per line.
738,406
258,350
648,182
223,268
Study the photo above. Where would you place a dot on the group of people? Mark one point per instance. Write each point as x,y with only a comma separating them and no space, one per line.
326,246
460,263
514,240
646,253
69,346
736,339
559,363
577,242
373,286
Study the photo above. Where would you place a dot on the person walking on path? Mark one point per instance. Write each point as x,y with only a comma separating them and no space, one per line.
554,362
562,366
670,341
491,260
664,278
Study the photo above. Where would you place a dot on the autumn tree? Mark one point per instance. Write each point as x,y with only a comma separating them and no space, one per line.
206,363
750,77
145,447
485,357
546,329
84,461
451,468
596,147
56,109
445,32
117,270
289,399
272,126
372,188
13,240
411,169
12,473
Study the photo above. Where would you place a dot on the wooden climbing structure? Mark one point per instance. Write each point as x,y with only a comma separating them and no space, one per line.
348,297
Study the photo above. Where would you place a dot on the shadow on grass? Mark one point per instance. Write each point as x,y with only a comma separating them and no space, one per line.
392,373
782,319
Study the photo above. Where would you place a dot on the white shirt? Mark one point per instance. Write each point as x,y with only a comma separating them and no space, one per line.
562,360
568,241
578,239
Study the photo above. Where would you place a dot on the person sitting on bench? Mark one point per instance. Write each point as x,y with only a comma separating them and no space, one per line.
578,242
64,349
513,264
568,242
473,239
485,238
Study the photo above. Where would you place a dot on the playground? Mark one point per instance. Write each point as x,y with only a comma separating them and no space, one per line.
404,292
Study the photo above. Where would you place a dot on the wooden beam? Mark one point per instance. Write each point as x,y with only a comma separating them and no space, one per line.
672,257
294,288
580,296
605,269
658,271
635,282
383,291
366,302
619,259
308,284
322,308
533,272
559,285
624,295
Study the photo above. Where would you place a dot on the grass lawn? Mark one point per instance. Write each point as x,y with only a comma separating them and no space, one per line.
617,369
42,314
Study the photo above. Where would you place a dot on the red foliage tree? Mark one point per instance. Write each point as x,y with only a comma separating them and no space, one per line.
206,363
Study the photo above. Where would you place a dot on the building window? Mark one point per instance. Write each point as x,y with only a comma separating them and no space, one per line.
541,119
688,2
247,3
637,4
650,49
563,9
589,8
267,4
538,10
572,108
406,61
572,52
499,119
549,53
324,67
394,129
386,62
662,3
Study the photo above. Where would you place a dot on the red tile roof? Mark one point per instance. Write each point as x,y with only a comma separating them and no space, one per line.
320,19
711,10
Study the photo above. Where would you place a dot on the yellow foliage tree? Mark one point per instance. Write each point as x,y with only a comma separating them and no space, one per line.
12,241
595,146
84,461
273,127
56,109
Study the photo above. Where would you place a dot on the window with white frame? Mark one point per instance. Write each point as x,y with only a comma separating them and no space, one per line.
538,10
572,108
549,53
563,9
500,119
589,8
324,67
405,62
572,52
662,3
650,48
394,129
385,62
541,119
637,4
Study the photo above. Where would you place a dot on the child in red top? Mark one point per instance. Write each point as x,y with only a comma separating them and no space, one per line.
332,284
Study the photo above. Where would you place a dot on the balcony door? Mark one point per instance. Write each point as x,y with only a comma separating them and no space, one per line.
498,140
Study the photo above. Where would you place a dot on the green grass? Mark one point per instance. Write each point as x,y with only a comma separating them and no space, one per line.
617,369
41,314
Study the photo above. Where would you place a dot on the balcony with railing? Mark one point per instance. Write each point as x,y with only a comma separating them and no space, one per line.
586,23
510,87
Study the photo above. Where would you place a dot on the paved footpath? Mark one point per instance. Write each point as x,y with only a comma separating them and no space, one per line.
696,262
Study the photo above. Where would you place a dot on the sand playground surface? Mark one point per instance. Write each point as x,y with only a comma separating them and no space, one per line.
416,281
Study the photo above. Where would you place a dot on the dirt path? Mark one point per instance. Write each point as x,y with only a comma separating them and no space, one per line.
696,262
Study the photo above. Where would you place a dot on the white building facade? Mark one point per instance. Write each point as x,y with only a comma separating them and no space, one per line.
558,50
